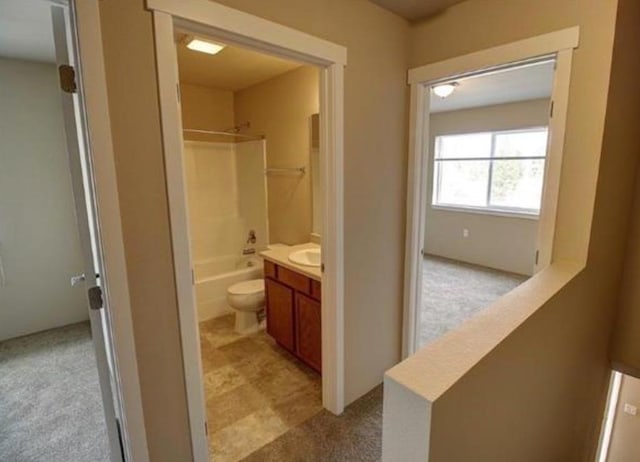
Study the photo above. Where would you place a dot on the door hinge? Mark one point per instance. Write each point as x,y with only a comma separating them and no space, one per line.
193,277
67,78
537,256
322,267
551,110
178,91
206,428
95,298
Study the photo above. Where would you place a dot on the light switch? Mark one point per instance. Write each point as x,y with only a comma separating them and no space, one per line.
465,233
630,409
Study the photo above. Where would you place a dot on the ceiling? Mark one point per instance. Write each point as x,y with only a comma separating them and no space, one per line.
232,69
414,10
508,86
26,31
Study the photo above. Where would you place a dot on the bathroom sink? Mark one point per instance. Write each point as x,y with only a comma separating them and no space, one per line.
306,257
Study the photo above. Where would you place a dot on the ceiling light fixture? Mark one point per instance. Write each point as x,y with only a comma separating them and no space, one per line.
203,46
445,89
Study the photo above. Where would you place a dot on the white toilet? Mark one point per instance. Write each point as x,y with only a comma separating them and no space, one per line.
247,299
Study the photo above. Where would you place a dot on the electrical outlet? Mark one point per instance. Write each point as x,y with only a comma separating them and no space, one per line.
630,409
465,233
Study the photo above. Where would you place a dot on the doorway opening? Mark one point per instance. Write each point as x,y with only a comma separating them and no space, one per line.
250,129
266,182
487,134
61,382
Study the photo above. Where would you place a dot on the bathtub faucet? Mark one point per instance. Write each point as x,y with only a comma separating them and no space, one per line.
248,251
251,239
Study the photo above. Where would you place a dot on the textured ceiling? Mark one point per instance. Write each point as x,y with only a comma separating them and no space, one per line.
414,10
232,69
509,86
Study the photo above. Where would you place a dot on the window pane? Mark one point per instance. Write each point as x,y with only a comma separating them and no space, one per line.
462,182
517,183
468,145
521,144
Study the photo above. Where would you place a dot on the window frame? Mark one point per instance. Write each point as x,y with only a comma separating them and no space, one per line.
486,209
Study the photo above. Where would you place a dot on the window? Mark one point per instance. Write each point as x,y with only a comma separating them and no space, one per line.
495,171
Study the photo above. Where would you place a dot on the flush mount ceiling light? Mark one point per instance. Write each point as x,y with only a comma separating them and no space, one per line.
445,89
204,46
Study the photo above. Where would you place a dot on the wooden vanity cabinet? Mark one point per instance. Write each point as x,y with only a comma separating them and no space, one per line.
294,313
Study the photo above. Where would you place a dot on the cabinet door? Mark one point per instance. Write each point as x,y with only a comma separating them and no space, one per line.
280,313
308,331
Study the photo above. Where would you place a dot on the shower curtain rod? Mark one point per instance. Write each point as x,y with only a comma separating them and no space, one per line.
214,132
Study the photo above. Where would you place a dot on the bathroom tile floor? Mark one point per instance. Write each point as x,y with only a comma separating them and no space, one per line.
255,390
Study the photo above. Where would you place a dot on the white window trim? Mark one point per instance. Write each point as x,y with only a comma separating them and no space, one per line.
487,209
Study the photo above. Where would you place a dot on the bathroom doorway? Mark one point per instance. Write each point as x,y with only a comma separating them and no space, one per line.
253,155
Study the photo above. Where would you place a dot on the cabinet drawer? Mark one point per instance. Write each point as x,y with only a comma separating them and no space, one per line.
297,281
316,289
270,269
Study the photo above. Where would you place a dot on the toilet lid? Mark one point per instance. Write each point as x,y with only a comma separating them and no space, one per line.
253,286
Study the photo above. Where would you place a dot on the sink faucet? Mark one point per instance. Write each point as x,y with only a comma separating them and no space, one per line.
251,239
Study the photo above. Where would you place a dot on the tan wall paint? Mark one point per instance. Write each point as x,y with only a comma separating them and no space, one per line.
135,123
205,108
626,342
501,242
281,109
375,155
540,393
624,445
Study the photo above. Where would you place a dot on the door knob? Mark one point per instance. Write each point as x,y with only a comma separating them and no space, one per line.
75,280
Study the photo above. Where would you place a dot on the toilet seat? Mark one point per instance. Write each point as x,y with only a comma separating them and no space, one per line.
253,286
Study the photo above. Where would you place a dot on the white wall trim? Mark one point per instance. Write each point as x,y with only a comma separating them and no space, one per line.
560,44
232,26
254,31
87,23
483,60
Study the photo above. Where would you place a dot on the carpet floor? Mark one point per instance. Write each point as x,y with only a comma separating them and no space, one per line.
453,292
50,401
355,436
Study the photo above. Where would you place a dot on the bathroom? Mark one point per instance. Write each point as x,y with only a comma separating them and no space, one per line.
252,180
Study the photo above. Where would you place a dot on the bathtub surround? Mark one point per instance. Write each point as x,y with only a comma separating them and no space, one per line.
255,390
51,406
39,244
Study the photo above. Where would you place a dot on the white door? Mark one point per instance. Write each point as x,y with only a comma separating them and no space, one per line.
81,180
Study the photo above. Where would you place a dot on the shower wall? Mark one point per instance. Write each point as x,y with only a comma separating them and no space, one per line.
226,197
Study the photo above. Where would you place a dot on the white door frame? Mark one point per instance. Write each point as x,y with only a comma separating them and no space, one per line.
559,44
86,31
236,27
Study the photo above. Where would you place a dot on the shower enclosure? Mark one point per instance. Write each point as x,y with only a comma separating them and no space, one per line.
227,202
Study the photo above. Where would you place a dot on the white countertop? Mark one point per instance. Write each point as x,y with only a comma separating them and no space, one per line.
280,256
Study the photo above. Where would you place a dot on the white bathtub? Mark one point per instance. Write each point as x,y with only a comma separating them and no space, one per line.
215,275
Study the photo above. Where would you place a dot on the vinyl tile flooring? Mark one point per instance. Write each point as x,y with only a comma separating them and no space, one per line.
255,390
453,292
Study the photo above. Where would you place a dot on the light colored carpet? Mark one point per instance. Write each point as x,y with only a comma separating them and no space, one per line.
50,402
354,436
453,292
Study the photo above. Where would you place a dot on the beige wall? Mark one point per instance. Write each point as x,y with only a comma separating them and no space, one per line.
624,445
501,242
539,394
281,109
39,243
375,154
127,34
205,108
626,342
